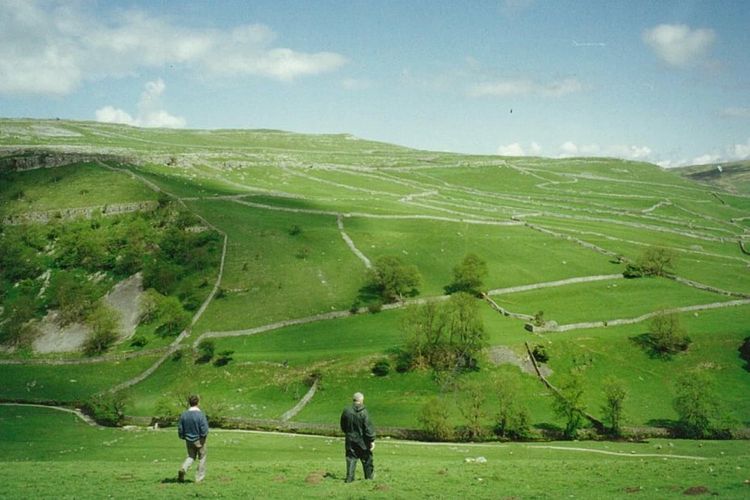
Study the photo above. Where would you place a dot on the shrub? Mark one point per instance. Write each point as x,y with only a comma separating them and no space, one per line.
381,368
615,394
139,341
539,318
540,353
107,409
224,358
744,350
206,349
568,404
696,405
513,420
295,230
434,420
375,307
105,324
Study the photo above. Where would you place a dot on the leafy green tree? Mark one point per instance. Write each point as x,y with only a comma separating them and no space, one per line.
394,279
468,275
105,325
106,409
17,260
172,317
16,327
568,404
666,335
426,341
465,329
513,421
471,406
614,394
73,295
696,405
434,418
656,261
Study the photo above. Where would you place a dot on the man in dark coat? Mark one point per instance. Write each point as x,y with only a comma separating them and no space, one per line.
360,437
193,428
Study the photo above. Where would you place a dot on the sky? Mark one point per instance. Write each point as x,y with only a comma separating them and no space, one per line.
666,82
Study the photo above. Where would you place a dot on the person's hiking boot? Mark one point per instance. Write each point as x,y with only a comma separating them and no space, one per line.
181,476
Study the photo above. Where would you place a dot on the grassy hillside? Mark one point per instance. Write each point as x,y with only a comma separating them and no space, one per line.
306,216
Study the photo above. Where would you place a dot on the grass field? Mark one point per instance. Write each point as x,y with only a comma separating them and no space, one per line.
279,198
52,454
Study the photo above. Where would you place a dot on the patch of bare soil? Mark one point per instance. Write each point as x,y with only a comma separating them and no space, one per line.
124,297
53,338
504,355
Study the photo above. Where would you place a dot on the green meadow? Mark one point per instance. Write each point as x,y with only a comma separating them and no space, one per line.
289,307
52,454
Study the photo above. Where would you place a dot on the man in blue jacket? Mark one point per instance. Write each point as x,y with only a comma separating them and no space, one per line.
360,437
193,428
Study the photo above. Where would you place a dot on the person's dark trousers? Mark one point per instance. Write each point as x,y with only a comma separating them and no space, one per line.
355,454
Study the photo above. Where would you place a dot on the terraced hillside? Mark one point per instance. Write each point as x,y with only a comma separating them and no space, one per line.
300,222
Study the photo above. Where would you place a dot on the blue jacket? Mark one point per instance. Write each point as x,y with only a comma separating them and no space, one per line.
192,426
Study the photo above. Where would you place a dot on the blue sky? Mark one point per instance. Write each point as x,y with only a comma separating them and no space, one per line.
666,81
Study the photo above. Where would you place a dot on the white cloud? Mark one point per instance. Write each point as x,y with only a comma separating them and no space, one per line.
678,44
52,47
110,114
510,88
150,112
740,151
628,152
516,149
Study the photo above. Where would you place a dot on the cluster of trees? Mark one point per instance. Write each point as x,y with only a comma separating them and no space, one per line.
444,336
506,418
84,257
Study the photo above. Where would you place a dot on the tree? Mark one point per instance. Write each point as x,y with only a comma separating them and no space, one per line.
465,329
513,416
472,409
615,394
105,324
426,342
17,329
394,279
656,261
696,405
568,404
666,335
468,275
106,409
435,420
447,336
73,295
172,317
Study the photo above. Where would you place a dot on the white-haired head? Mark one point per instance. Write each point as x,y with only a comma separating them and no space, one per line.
358,398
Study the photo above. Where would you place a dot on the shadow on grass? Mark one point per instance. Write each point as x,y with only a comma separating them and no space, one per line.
646,342
174,480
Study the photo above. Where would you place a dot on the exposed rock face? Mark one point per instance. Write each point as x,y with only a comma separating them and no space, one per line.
124,298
